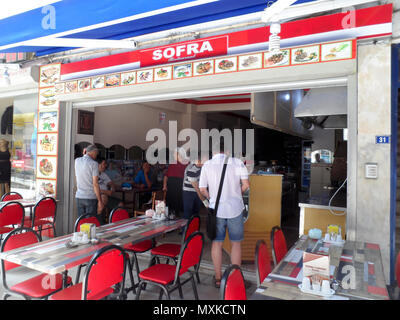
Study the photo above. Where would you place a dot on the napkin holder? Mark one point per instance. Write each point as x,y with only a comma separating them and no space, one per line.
89,229
334,235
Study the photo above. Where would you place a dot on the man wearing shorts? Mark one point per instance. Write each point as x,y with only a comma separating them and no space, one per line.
229,215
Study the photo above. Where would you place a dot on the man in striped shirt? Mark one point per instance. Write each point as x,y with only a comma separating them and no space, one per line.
192,197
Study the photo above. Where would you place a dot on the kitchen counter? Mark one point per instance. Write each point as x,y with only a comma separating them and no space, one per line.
315,211
339,202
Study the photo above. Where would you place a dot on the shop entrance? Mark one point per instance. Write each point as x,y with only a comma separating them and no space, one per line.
120,133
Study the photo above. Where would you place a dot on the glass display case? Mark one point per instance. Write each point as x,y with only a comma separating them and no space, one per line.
306,166
23,146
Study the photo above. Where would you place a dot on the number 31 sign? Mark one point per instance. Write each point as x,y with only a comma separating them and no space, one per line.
382,139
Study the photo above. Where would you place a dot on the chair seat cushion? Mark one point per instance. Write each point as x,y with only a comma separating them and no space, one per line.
40,286
5,230
75,293
140,247
160,273
167,249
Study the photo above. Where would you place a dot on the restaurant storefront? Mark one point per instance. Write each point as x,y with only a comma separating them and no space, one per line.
317,53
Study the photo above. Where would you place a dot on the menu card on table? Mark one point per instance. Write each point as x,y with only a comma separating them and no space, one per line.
316,267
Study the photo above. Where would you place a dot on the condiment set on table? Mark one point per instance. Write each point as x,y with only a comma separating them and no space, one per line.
316,286
332,236
161,212
87,234
316,267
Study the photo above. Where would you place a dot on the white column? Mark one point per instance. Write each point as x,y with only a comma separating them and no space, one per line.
374,118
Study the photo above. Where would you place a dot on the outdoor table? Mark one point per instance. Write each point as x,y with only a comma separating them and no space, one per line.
361,258
52,256
26,203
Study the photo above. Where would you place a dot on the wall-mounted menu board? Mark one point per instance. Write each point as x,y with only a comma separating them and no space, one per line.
287,57
47,135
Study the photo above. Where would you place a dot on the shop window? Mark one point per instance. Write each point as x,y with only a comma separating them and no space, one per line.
116,152
79,147
23,145
102,150
135,153
322,156
345,134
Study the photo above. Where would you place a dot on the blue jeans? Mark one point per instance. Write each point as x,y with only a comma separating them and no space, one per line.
191,204
235,228
86,206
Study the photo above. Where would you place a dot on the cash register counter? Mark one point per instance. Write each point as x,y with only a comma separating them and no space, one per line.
264,203
316,213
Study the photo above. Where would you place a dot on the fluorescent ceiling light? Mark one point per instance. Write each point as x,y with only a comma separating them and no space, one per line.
12,8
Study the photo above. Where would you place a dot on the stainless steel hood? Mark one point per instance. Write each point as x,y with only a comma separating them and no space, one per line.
324,107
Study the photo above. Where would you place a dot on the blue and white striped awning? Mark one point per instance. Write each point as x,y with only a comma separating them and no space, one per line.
112,20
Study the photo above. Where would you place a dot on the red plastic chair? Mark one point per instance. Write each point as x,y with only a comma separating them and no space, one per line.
397,273
172,250
167,276
11,196
232,284
11,214
44,214
118,214
81,220
278,242
86,219
104,275
263,261
31,288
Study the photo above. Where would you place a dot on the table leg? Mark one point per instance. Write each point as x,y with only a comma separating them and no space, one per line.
65,278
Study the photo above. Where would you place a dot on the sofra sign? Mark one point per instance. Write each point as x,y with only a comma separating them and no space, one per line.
185,51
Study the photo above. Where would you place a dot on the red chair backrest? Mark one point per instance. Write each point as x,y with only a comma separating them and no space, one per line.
45,208
86,219
397,270
11,196
106,269
16,239
263,261
278,244
118,214
232,284
191,252
12,213
192,226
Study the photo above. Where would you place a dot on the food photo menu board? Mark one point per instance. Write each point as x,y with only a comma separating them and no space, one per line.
286,57
47,136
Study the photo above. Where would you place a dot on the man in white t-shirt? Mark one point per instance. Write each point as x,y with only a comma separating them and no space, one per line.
229,215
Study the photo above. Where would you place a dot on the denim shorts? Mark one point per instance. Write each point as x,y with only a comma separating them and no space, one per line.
235,228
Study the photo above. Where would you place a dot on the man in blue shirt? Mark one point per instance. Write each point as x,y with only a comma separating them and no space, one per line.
145,179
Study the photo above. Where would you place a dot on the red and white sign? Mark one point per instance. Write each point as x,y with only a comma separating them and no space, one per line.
209,47
20,164
365,23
